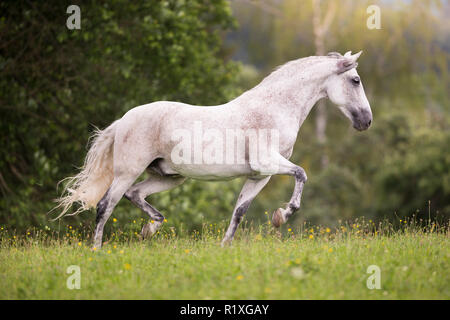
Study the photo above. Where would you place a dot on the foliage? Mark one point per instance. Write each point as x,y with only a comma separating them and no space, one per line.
415,171
57,84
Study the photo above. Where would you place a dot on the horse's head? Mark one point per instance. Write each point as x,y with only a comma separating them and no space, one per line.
345,89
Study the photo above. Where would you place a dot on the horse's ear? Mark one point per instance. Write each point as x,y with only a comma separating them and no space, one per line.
345,65
348,62
348,54
355,56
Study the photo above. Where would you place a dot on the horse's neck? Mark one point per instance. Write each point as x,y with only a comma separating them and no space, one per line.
292,101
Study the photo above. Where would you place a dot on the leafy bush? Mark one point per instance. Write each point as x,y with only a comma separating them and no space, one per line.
57,83
415,176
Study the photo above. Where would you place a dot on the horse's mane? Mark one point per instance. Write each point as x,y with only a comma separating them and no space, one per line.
298,65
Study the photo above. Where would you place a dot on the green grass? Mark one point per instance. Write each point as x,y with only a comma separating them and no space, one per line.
261,264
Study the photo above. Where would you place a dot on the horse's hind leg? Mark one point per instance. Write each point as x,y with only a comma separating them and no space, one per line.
105,207
137,194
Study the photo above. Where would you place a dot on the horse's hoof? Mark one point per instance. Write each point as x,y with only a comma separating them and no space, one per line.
226,242
278,218
149,229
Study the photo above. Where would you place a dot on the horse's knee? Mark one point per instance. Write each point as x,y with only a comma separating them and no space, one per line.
132,195
300,174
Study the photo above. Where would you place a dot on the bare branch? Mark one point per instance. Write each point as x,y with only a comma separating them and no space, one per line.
331,12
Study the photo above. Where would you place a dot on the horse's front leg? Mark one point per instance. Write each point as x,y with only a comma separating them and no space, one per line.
280,215
249,191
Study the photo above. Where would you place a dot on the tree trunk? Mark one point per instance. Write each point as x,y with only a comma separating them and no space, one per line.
320,29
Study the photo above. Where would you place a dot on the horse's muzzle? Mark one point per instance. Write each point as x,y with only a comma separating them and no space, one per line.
362,120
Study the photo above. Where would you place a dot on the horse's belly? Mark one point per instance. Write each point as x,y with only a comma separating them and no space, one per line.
212,171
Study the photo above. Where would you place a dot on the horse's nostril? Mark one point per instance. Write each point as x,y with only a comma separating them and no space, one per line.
370,122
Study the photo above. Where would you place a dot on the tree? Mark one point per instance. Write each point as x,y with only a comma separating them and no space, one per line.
320,27
56,83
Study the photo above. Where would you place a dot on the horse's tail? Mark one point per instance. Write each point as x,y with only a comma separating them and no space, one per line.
88,187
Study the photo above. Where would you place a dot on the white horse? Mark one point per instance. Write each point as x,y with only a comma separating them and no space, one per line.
148,137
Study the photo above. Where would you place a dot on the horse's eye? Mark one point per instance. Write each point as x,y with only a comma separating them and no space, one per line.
356,81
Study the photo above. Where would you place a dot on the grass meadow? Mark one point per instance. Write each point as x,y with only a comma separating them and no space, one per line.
311,262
